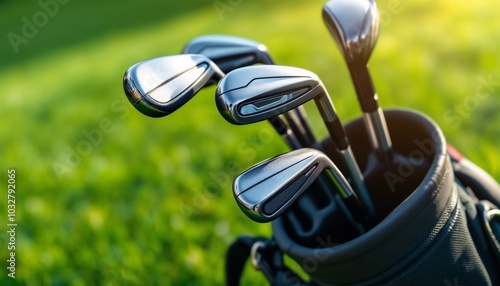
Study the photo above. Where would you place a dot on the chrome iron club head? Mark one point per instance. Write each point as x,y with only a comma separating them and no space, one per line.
159,86
268,189
229,52
252,94
256,93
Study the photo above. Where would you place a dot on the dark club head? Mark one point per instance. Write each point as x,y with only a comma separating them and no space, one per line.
229,52
354,25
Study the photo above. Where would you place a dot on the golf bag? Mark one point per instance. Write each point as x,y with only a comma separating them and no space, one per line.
439,225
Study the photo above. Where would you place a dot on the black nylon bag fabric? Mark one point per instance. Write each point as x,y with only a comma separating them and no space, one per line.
433,236
449,256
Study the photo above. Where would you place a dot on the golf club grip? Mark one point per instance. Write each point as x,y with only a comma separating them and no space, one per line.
367,96
338,134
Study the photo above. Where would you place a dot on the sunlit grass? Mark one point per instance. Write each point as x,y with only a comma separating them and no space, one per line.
151,202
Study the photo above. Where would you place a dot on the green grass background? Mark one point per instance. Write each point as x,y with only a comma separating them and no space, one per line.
150,202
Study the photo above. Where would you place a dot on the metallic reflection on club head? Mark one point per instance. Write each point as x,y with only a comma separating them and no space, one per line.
159,86
229,52
266,190
256,93
354,24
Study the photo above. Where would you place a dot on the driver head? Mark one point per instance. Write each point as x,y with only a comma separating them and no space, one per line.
229,52
159,86
354,25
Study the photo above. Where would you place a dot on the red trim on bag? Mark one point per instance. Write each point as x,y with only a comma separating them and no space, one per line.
454,153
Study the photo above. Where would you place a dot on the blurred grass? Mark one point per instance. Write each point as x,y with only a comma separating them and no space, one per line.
149,203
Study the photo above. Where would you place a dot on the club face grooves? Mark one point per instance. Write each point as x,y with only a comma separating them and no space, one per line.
286,195
269,188
265,103
173,88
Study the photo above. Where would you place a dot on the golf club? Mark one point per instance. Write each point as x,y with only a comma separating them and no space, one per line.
159,86
256,93
230,53
266,190
354,25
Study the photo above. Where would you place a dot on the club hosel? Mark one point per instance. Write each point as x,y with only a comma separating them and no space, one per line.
216,77
351,199
218,74
343,188
365,90
332,121
265,58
